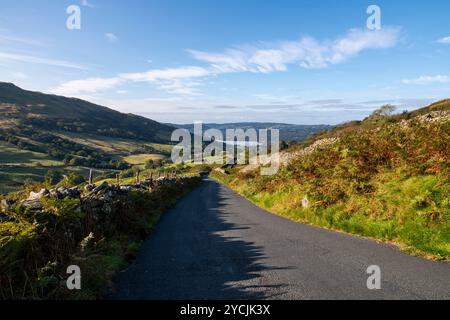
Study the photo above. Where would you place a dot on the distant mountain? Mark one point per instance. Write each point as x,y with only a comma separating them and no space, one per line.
288,132
19,107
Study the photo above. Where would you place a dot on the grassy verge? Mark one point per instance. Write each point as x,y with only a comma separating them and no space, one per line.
387,178
410,212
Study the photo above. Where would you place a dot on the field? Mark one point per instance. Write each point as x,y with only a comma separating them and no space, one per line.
11,155
18,167
140,159
14,177
115,146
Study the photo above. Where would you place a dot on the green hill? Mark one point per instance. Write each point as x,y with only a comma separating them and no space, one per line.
39,132
50,112
386,177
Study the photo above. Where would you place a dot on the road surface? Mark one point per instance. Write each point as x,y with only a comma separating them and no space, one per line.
217,245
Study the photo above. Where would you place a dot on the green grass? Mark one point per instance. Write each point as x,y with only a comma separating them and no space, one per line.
387,180
163,148
11,155
119,147
22,166
13,178
413,212
140,159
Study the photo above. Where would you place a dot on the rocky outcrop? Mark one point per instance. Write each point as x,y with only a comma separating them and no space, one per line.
305,202
6,204
33,202
286,157
63,192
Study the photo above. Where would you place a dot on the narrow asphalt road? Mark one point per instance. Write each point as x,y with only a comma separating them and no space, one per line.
217,245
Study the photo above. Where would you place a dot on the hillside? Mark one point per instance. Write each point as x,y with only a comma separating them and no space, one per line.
51,112
288,132
386,177
39,132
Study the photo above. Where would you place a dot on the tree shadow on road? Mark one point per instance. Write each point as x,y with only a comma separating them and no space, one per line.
197,253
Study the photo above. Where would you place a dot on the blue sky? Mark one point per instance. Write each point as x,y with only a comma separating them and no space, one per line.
304,62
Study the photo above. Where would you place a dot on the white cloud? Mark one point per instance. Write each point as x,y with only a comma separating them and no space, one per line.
307,52
424,80
167,74
90,85
172,80
445,40
37,60
186,110
180,87
230,61
111,37
358,40
262,58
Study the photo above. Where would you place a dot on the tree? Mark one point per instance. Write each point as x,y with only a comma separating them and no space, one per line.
384,111
76,162
81,153
53,176
283,145
149,164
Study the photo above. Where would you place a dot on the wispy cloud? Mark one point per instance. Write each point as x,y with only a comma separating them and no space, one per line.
173,80
168,74
7,56
328,106
424,80
445,40
182,110
308,52
91,85
326,101
262,58
180,87
11,38
111,37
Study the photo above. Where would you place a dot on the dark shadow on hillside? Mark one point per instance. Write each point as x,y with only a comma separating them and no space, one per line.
196,253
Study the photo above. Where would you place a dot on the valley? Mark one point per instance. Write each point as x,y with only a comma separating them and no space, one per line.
41,132
385,177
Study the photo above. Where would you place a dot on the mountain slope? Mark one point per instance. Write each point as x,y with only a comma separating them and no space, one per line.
51,112
41,133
